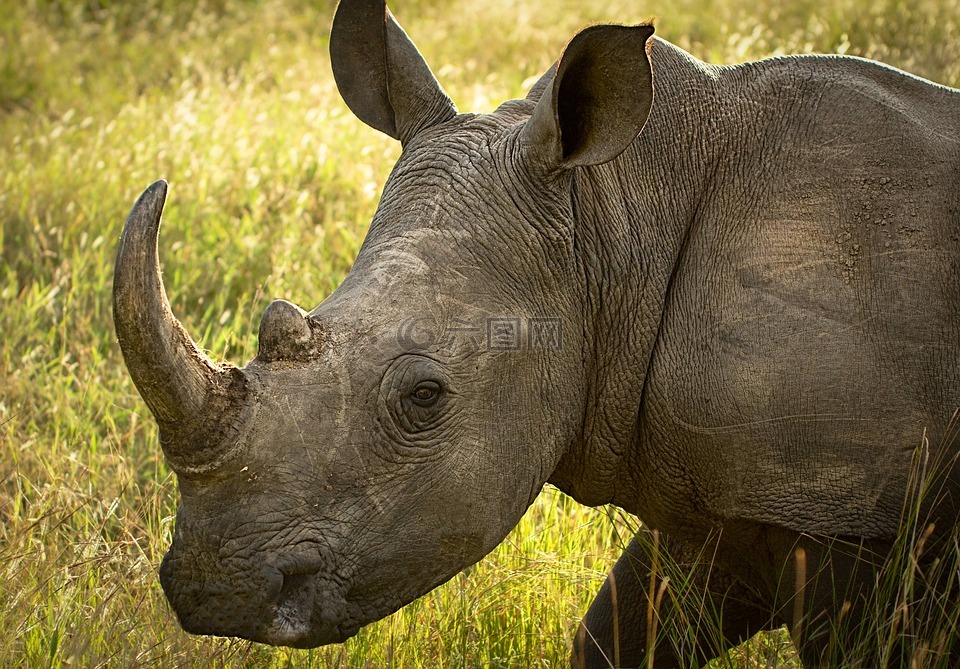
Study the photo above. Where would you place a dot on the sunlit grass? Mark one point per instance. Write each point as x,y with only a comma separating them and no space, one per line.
273,182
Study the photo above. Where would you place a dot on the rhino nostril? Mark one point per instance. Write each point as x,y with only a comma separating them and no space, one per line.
296,591
292,585
293,610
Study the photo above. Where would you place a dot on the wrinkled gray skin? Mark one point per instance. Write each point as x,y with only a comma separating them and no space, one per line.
759,298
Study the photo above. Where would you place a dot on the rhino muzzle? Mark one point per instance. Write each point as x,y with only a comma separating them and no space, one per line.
292,605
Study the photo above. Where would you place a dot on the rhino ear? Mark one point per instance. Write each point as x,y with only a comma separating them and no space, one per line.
381,75
598,101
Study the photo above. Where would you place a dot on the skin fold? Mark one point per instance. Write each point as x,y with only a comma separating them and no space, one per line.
725,299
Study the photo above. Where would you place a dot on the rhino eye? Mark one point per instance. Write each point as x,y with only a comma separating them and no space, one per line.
426,394
417,396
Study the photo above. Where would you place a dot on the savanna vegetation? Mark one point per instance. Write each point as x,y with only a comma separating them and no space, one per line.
272,183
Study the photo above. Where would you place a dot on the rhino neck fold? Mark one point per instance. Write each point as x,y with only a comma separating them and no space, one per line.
633,216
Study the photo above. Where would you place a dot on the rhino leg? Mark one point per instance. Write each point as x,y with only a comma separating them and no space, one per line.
615,630
837,596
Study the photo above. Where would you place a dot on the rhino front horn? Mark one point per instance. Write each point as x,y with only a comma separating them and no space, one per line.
177,381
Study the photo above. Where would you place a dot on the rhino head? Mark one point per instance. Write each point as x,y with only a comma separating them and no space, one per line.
394,435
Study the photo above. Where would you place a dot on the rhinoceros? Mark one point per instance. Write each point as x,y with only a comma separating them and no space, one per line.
724,299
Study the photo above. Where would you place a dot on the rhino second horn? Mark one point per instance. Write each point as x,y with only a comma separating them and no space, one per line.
285,333
174,377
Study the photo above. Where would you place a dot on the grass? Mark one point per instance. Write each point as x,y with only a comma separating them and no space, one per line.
273,182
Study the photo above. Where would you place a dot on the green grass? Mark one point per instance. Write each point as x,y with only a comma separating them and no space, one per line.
273,182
